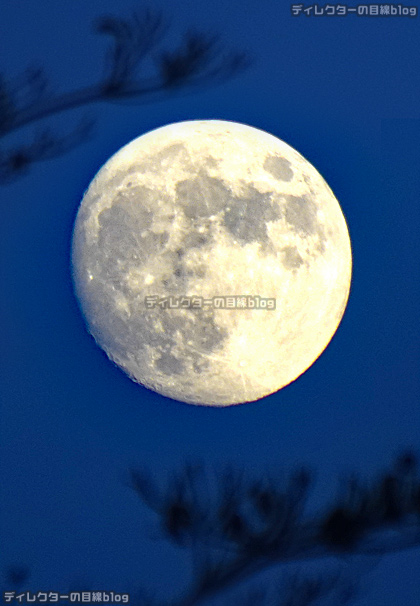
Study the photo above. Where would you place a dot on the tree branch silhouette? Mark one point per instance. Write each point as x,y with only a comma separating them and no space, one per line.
248,527
199,60
236,527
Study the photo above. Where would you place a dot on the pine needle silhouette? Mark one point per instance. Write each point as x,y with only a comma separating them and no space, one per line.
248,526
235,527
200,60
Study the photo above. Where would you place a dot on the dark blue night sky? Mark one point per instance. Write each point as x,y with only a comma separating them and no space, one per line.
342,91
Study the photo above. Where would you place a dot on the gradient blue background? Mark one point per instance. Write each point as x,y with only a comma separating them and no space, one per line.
345,93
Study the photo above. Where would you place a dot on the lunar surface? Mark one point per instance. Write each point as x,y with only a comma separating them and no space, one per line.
211,261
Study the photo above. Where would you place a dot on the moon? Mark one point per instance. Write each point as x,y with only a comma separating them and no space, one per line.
211,261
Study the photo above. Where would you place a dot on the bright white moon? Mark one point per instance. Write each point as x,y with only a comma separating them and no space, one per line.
212,262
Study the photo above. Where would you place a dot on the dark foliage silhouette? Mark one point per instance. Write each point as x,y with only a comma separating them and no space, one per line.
247,526
200,60
16,575
236,527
